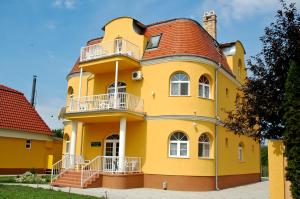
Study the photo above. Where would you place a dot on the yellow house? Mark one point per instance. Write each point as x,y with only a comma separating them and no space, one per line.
145,105
26,142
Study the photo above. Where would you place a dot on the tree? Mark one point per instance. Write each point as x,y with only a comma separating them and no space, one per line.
292,127
259,108
58,133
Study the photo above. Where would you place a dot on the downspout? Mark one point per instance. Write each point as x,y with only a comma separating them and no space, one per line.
216,127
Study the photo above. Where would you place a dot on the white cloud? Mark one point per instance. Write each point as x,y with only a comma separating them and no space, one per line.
68,4
241,9
49,110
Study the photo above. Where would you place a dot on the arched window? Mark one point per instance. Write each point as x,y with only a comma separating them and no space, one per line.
204,89
241,152
239,69
203,146
121,88
180,84
70,92
178,145
67,141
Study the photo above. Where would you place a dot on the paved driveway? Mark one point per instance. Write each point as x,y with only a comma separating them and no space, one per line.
253,191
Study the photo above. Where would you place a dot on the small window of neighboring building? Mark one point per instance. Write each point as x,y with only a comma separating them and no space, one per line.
28,144
203,146
241,152
180,84
153,42
178,145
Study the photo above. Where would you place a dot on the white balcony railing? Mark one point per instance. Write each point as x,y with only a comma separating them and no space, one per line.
122,101
109,48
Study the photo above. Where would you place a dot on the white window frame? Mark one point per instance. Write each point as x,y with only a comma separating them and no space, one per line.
178,148
203,143
204,85
28,145
179,82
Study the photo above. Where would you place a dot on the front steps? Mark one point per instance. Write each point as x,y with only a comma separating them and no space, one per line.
72,178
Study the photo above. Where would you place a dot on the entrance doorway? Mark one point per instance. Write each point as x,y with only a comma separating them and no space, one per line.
111,153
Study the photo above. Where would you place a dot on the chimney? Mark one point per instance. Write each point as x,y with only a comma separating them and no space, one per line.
210,23
32,102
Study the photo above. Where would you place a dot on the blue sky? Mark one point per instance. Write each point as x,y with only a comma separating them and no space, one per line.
44,37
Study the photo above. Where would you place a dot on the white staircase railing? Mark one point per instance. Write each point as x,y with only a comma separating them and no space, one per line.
90,169
66,163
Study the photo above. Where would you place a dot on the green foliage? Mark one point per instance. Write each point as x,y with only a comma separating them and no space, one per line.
7,179
58,133
22,192
264,160
259,109
31,178
292,127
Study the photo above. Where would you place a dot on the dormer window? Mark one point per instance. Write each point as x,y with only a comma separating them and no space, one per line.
153,42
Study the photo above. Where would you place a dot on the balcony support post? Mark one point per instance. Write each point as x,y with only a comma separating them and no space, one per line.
79,91
116,85
73,143
122,144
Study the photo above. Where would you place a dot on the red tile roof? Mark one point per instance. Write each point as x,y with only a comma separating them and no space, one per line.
16,113
179,37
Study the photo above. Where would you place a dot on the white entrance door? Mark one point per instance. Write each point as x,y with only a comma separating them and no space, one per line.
111,153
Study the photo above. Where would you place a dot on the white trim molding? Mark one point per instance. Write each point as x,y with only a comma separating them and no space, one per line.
24,135
191,58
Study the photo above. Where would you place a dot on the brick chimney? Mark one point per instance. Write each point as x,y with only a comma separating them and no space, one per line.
210,23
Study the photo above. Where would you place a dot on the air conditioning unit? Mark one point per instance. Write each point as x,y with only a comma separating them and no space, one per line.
137,75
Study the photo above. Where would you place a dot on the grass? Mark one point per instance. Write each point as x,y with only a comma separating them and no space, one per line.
22,192
7,179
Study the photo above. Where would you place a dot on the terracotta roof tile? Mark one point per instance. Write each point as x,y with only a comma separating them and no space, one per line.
17,113
179,37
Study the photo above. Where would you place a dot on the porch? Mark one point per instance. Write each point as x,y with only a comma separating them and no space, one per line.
108,171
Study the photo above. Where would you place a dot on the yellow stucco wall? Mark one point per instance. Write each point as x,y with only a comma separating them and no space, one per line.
279,188
14,154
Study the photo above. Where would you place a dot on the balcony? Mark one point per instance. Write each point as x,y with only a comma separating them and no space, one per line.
101,58
97,107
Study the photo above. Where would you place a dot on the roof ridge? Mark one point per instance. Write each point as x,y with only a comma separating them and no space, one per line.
8,89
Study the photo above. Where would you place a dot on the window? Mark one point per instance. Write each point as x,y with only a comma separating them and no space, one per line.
203,146
178,145
227,92
121,88
28,144
239,69
153,42
203,87
70,91
241,152
180,84
226,142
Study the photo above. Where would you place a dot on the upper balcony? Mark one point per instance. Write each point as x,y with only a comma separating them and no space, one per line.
105,107
101,58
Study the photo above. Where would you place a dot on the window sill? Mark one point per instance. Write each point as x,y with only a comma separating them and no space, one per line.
178,157
179,95
210,99
204,158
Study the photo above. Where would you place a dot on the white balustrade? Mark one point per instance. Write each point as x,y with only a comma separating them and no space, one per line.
123,101
109,48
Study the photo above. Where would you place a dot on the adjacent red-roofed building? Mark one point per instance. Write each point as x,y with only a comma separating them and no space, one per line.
26,141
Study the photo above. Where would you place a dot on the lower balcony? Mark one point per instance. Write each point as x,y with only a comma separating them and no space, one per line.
111,106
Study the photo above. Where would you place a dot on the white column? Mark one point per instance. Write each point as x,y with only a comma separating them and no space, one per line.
122,143
73,143
116,84
79,91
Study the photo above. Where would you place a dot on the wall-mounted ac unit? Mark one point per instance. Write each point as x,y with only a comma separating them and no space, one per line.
137,75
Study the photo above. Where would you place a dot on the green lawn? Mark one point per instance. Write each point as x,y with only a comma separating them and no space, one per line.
7,179
22,192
